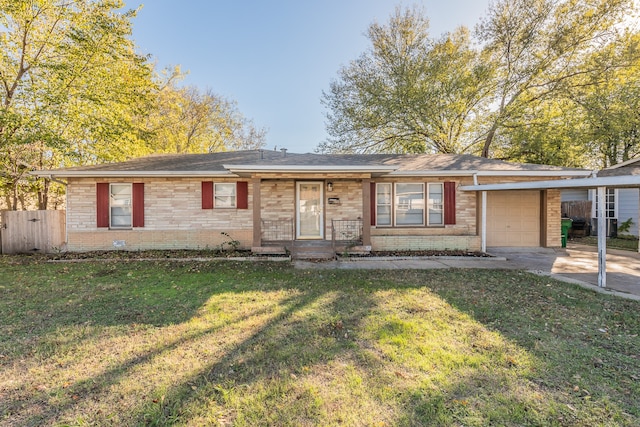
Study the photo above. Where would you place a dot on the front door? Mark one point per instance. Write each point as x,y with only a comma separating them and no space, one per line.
309,210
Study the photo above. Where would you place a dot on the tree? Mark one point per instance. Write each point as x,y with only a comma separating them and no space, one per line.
187,120
71,86
540,48
408,93
510,92
610,104
549,134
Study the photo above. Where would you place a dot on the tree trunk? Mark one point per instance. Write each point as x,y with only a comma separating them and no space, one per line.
14,196
43,196
489,140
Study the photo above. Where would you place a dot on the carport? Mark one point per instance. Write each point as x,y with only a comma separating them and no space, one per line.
599,183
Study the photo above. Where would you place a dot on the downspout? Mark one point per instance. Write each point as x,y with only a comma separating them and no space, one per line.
483,216
66,205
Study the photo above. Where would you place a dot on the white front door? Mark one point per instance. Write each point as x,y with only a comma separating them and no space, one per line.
309,210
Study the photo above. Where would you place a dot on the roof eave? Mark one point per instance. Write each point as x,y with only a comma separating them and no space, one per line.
610,181
623,164
527,173
468,172
240,169
127,174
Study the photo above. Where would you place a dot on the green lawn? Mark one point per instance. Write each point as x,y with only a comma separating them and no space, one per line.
223,343
627,243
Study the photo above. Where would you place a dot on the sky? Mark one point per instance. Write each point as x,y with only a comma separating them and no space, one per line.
275,58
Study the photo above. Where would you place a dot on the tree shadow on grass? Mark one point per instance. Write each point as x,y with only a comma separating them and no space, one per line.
311,347
369,383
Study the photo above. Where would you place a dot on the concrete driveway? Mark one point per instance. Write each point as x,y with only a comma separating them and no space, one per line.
579,264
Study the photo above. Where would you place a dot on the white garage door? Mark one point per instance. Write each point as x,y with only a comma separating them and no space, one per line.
513,218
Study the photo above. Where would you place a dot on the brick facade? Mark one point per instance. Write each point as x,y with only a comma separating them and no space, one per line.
174,218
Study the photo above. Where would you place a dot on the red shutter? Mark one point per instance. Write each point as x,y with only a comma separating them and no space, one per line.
207,195
242,195
138,204
449,203
102,204
372,203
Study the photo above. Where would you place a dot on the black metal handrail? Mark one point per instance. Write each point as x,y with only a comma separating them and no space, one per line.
347,231
277,230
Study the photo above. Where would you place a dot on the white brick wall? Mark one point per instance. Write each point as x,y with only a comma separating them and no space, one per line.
174,217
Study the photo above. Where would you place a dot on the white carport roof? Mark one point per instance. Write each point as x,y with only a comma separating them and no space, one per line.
620,181
601,183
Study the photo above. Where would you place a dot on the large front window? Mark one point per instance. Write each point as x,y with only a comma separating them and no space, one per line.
409,204
120,205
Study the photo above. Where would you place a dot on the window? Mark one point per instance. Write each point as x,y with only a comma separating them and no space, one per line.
409,204
413,204
436,204
383,204
609,203
120,206
224,195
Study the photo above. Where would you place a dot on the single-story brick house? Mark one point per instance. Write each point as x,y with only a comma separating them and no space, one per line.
259,198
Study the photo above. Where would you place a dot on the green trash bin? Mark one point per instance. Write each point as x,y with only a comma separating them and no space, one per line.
565,226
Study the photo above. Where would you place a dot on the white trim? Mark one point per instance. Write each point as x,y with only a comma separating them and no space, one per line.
234,170
308,169
127,174
427,203
419,173
375,198
235,195
321,200
121,227
602,239
608,181
625,163
593,199
445,172
396,203
534,173
483,235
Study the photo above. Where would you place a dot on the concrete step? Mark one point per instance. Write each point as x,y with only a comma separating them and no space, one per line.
269,250
312,249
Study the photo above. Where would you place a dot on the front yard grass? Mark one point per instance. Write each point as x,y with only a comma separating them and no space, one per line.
224,343
624,242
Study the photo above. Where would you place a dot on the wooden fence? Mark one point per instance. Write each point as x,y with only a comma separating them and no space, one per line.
32,231
577,209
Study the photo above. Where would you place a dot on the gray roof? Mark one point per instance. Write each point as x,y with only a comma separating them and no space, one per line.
629,169
225,162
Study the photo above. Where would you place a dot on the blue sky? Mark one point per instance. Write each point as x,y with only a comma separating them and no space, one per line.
274,58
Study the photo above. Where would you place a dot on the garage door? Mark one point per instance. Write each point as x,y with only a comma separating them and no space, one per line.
513,218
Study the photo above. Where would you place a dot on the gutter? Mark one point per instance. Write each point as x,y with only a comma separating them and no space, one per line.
608,181
477,173
308,169
129,174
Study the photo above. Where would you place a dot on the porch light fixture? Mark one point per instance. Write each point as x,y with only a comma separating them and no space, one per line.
329,186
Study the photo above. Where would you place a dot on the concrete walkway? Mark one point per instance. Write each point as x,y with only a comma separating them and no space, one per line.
575,264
